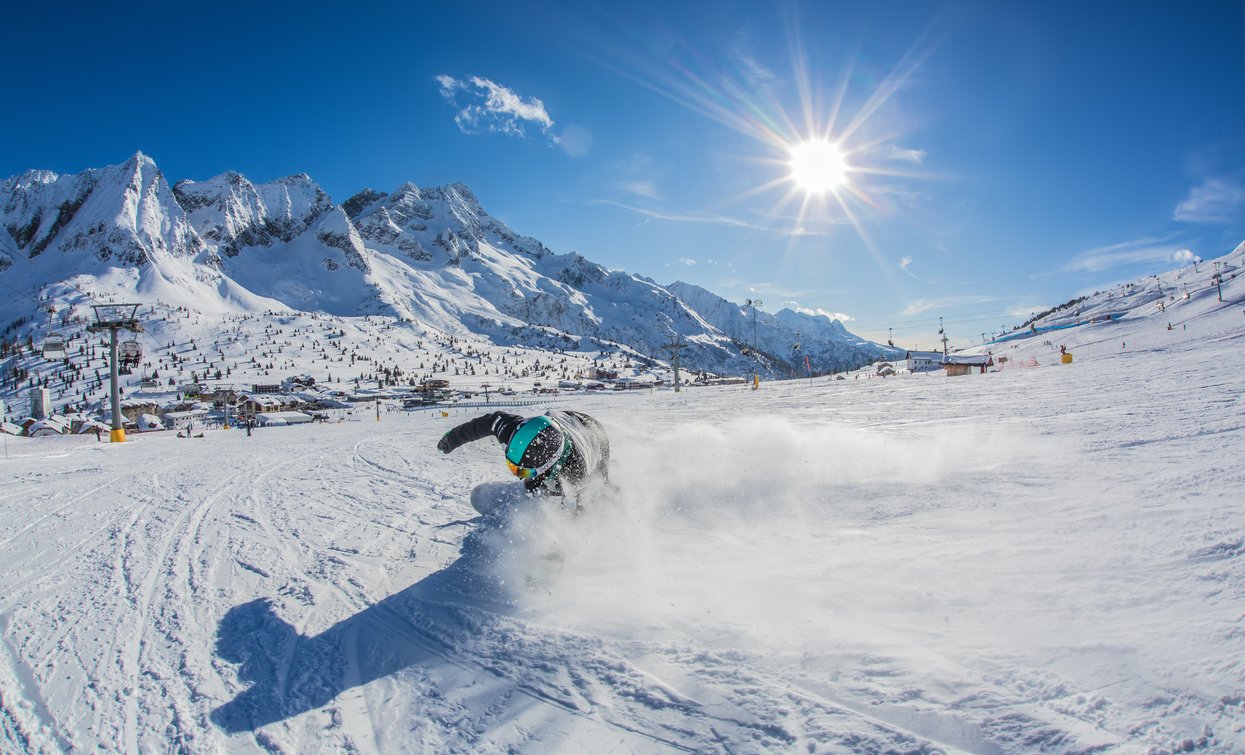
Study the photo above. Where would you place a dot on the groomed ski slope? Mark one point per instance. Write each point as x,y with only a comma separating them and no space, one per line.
1038,559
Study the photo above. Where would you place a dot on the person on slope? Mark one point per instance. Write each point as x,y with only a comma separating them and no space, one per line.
558,453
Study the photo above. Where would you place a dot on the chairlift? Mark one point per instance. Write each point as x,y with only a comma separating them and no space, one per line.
130,352
54,347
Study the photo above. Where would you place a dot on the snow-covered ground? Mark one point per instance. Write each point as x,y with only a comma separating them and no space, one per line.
1038,559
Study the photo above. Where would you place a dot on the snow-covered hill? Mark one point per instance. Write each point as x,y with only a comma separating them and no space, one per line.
1045,558
424,260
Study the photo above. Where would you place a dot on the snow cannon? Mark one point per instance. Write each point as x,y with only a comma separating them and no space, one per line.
1065,358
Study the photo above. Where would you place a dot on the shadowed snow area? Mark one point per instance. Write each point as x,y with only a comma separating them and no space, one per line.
1042,559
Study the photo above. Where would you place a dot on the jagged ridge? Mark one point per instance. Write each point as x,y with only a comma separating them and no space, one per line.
431,255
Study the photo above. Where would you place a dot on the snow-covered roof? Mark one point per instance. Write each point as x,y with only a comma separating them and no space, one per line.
91,425
283,418
976,360
273,401
55,424
149,422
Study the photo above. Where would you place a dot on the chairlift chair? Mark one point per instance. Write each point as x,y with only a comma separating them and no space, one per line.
131,352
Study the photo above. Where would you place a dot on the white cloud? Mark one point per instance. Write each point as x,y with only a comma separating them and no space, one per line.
485,106
709,218
840,316
917,306
895,153
640,188
575,141
1140,251
1215,201
753,70
906,262
684,261
1025,311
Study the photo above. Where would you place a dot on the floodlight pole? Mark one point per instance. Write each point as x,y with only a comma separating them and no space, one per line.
112,318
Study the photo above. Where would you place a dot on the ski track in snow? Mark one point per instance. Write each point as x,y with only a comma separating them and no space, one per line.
1036,560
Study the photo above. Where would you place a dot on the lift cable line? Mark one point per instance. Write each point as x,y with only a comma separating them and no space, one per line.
52,277
967,317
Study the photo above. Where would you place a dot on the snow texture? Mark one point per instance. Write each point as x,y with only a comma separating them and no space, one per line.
1045,558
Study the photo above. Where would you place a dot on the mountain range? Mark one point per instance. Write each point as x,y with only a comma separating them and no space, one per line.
430,257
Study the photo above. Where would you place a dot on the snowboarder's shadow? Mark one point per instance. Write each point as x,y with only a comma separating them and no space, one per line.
291,673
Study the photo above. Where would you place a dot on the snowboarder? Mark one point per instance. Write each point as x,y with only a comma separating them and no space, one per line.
557,453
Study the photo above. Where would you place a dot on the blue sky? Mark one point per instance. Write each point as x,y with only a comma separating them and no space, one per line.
1001,157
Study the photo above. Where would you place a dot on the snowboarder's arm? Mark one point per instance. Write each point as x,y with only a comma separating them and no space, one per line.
500,425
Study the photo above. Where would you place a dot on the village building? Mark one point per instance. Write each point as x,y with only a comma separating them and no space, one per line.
131,408
183,419
278,419
254,405
965,364
51,425
90,426
297,383
924,361
40,403
148,423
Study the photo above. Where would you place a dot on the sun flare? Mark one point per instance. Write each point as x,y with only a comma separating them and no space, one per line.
818,165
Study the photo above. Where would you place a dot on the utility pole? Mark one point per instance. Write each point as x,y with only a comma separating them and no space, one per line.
675,346
112,318
942,333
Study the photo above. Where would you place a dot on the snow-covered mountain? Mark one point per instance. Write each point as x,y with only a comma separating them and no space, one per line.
120,216
431,257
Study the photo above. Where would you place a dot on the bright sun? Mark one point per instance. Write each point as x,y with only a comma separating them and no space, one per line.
817,166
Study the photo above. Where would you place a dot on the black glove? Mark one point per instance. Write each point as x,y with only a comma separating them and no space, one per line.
444,445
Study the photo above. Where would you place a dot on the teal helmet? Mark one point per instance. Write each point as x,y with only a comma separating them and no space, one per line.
537,449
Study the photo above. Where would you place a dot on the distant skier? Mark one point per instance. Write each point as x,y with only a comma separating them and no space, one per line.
558,453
